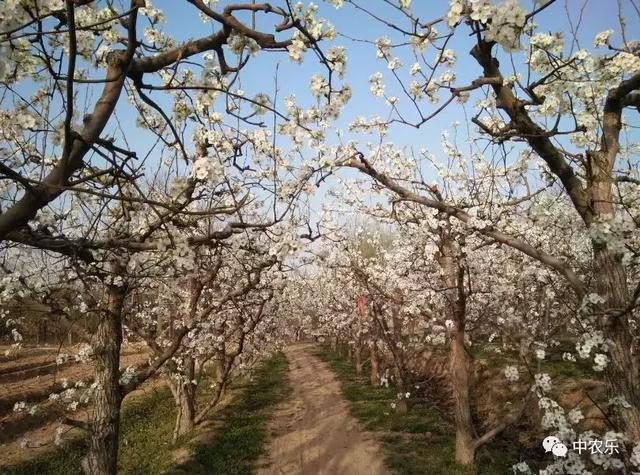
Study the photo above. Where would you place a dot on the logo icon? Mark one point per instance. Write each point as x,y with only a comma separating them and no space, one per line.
555,446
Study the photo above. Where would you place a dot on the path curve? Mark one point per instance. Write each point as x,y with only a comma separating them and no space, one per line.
314,433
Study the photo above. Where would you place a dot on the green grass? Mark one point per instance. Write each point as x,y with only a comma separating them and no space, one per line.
145,441
147,428
417,443
52,462
239,441
553,364
557,368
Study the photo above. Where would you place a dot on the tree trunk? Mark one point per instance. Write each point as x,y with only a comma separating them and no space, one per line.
186,414
459,374
453,272
184,395
223,364
358,356
401,387
102,457
622,372
373,356
611,282
358,340
401,406
221,369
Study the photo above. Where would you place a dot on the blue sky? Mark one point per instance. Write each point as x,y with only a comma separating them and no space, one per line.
598,15
592,17
183,23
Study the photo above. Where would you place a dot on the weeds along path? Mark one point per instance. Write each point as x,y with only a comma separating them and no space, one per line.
313,430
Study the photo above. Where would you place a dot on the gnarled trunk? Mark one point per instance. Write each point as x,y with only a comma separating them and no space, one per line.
402,407
102,457
453,272
184,395
185,418
623,378
358,357
373,357
622,373
459,374
358,340
224,364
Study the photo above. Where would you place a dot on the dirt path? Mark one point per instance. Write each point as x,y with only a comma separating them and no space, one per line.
314,432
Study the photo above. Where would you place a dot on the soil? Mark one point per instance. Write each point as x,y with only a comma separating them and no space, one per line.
313,431
41,438
43,376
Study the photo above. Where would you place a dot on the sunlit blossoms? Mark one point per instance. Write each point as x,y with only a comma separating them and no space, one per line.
377,87
511,373
457,216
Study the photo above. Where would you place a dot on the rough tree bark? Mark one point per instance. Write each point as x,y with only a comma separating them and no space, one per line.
184,395
453,272
622,374
373,358
334,343
399,366
402,407
223,365
104,427
360,310
358,356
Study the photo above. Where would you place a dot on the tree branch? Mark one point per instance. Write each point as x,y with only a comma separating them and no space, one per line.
553,262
